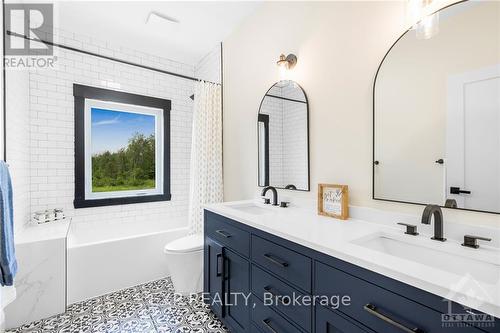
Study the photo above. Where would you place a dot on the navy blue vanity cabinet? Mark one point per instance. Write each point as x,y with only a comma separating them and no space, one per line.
237,290
270,321
227,284
265,286
290,265
213,275
224,231
227,272
376,307
240,259
328,321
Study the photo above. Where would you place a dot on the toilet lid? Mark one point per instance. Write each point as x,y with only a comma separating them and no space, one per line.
185,244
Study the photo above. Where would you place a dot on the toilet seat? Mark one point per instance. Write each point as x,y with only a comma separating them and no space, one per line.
187,244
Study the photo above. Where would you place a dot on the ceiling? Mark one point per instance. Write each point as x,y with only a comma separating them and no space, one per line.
201,24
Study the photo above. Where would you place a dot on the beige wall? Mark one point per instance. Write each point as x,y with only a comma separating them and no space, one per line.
339,46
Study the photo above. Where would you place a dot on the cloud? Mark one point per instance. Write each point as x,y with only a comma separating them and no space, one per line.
115,120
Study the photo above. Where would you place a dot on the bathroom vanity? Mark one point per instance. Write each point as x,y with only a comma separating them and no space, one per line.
270,252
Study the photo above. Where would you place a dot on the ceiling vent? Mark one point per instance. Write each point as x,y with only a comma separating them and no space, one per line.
155,17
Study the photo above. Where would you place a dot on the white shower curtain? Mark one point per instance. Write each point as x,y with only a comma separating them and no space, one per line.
206,152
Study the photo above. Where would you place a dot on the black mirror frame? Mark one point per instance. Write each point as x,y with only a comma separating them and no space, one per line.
267,143
376,162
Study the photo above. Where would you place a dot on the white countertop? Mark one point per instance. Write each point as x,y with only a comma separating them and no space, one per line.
344,239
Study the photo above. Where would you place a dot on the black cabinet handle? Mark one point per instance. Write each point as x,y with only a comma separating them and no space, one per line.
457,190
275,260
372,309
219,265
267,324
440,161
223,233
269,289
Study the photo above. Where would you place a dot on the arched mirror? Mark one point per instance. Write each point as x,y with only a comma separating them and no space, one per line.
283,132
437,113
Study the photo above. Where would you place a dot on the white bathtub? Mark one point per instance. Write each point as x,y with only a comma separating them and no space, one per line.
102,258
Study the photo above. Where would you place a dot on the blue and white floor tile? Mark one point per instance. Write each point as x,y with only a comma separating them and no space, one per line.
149,308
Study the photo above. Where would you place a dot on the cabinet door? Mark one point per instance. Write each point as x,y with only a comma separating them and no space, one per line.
214,271
236,289
328,321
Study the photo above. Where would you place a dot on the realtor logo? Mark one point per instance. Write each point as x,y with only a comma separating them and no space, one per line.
467,291
25,26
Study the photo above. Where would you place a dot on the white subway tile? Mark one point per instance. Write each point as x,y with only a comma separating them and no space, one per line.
51,127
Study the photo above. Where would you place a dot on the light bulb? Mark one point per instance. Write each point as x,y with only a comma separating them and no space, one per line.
283,72
420,18
428,27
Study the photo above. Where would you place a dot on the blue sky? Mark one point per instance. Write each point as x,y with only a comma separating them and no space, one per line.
112,129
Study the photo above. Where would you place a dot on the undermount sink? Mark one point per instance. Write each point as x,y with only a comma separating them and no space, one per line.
480,270
251,208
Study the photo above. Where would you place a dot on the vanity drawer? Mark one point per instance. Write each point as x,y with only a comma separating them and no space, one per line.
264,283
328,321
222,230
269,321
290,265
376,307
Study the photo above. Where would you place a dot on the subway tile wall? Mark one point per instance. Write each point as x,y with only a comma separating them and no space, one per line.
18,139
51,127
295,144
208,68
274,108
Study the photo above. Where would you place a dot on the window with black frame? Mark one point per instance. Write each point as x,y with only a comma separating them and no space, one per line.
122,147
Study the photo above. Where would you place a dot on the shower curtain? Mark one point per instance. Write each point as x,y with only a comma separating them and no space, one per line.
206,152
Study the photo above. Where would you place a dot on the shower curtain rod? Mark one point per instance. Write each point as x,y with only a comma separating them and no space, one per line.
62,46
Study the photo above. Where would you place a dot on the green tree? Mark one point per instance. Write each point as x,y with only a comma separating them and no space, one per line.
131,167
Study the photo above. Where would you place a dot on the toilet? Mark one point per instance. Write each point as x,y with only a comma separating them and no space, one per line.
185,263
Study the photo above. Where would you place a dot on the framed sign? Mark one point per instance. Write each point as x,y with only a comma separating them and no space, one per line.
333,200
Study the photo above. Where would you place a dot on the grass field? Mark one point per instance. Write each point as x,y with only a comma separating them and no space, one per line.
148,184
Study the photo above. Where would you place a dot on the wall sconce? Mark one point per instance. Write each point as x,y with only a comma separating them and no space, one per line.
285,63
288,62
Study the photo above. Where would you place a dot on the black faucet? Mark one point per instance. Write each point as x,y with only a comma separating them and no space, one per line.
434,210
451,203
275,194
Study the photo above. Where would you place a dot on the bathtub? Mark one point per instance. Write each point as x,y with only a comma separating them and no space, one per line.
102,258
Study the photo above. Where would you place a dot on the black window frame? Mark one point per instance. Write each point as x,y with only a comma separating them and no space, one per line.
82,92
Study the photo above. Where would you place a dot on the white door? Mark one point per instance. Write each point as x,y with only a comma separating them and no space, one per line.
473,139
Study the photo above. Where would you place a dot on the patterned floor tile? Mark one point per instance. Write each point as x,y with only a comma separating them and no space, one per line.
152,307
